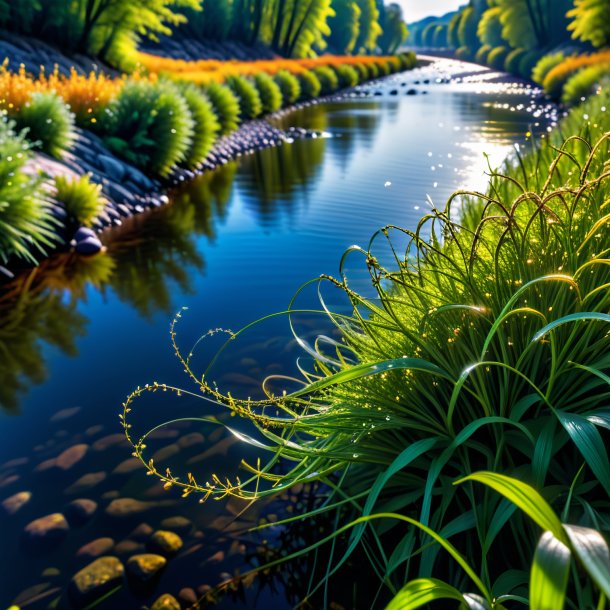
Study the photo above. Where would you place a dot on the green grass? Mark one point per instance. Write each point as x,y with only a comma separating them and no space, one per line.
486,348
81,198
26,222
270,92
289,86
226,106
250,103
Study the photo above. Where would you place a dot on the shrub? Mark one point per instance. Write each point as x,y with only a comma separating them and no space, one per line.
250,103
545,65
289,86
269,91
464,54
347,76
364,73
556,78
150,125
310,85
527,63
81,198
49,123
497,57
482,53
205,125
584,83
26,221
374,71
328,79
513,61
384,67
226,106
408,60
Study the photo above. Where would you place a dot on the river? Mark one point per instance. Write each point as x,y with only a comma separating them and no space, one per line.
77,335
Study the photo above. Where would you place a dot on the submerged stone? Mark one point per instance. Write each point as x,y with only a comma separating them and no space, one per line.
95,580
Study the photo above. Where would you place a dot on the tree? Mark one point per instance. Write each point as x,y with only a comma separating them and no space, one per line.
439,40
344,26
427,35
467,30
489,30
394,29
452,31
591,21
534,23
370,29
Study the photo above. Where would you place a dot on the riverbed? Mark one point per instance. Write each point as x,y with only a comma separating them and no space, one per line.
78,334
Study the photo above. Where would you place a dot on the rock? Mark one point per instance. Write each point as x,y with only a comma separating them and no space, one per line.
50,573
109,441
129,547
166,602
145,567
188,596
83,233
394,92
164,542
127,507
141,533
47,531
411,92
114,169
89,246
86,482
96,548
177,524
128,466
95,580
71,456
80,511
14,503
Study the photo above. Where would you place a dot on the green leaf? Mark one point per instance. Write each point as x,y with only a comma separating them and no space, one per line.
423,591
366,370
549,575
573,317
592,550
524,496
589,442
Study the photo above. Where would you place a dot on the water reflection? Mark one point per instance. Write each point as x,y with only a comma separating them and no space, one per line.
147,258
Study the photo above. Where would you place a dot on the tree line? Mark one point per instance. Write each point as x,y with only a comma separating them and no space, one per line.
291,28
527,25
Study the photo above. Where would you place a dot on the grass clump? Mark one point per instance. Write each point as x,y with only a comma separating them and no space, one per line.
205,128
269,91
585,83
497,57
484,348
250,103
513,61
226,106
49,123
347,75
81,198
482,54
26,220
545,65
289,86
329,82
310,84
149,124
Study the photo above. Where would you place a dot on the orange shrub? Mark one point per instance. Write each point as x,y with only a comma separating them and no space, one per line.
555,80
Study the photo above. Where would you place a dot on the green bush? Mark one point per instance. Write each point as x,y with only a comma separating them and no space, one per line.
329,81
384,67
513,61
482,53
464,54
269,91
545,65
407,60
373,70
347,76
289,86
81,198
149,124
226,106
310,85
206,125
497,57
528,62
26,222
585,83
250,103
49,123
364,73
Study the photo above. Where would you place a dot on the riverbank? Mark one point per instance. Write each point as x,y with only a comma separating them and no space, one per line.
128,189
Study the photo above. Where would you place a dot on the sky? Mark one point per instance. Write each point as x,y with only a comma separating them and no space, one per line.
415,10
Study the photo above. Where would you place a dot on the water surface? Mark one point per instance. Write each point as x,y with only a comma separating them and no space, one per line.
78,335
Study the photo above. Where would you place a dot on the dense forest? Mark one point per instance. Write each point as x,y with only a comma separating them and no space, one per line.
112,29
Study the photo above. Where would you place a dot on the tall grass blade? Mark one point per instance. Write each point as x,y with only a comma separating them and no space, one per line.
549,575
